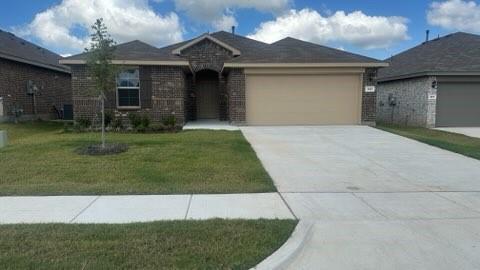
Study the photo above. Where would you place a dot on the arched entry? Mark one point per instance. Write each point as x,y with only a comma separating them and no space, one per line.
207,94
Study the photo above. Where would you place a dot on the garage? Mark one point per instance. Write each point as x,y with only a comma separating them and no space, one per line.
303,99
458,104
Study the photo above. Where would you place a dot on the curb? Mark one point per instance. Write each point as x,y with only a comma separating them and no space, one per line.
281,258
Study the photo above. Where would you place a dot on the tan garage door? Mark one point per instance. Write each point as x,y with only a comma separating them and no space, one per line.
303,99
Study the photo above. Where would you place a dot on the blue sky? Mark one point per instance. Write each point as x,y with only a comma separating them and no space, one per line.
370,27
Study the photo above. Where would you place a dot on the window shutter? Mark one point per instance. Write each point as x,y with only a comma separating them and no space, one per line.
145,87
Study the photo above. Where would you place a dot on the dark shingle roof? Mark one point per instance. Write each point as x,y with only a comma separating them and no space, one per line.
287,50
18,49
454,53
135,50
299,51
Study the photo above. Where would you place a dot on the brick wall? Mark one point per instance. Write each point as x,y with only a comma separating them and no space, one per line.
369,99
162,94
412,105
236,96
206,55
54,89
168,93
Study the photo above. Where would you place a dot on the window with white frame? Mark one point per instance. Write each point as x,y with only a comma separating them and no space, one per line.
128,89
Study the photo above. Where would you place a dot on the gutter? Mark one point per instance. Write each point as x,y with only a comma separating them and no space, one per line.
229,65
129,62
290,65
429,73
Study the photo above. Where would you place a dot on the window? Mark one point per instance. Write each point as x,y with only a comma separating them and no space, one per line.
128,89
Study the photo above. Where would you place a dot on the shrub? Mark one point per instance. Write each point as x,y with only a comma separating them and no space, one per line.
135,120
157,127
170,121
145,121
117,124
108,118
83,123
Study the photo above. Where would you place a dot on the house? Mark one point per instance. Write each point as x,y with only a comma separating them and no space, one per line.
232,78
33,84
436,84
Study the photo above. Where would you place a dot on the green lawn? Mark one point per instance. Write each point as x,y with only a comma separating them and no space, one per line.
212,244
41,160
454,142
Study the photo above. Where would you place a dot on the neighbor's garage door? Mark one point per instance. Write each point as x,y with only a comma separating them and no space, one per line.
458,104
303,99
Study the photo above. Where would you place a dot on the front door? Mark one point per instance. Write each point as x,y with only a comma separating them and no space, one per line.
207,97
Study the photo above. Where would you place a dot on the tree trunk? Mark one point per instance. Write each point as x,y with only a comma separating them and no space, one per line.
103,120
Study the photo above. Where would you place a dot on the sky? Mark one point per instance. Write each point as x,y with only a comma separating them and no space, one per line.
375,28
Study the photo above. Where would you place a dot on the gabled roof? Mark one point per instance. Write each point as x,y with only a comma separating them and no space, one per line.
247,52
291,50
454,54
20,50
178,51
131,51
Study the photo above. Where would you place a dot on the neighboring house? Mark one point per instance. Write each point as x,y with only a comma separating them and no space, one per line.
436,84
233,78
32,82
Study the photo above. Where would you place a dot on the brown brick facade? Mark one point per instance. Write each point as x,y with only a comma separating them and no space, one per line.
369,100
54,90
171,90
206,55
162,94
168,93
236,96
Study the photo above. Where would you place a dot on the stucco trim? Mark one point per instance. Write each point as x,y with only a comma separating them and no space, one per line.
130,62
296,65
179,50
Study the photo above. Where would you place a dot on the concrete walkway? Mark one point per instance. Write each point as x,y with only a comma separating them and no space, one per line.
376,200
141,208
211,124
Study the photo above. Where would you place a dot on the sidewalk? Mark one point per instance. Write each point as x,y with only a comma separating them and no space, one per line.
141,208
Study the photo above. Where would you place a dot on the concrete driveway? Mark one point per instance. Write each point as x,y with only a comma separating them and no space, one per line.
378,200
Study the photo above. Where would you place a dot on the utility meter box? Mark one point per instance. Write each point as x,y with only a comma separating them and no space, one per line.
3,138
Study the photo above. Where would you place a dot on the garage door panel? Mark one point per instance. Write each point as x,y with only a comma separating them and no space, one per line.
303,99
458,104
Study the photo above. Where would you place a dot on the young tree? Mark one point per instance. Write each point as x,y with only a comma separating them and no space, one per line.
99,62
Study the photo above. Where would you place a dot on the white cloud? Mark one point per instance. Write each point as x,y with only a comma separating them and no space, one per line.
217,12
225,23
126,20
355,28
455,15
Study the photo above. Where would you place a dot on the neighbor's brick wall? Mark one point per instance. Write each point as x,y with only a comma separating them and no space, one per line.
162,94
55,89
236,93
413,107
